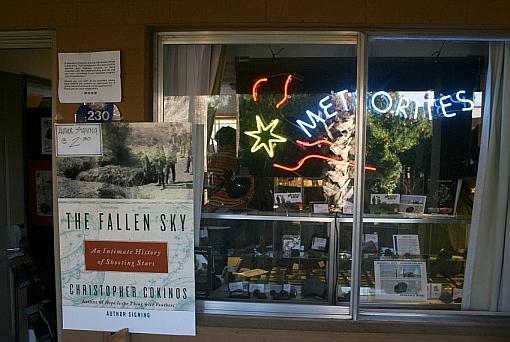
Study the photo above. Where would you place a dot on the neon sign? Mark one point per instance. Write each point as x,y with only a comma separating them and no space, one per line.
302,161
285,92
313,118
261,128
258,83
315,143
382,103
315,156
255,88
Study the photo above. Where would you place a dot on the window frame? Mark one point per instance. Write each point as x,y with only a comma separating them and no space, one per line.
361,40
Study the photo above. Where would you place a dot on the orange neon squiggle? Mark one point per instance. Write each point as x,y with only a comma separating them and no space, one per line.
367,167
302,161
315,143
255,87
286,91
370,168
317,156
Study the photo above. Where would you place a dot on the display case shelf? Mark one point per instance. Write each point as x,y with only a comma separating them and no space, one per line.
338,228
304,278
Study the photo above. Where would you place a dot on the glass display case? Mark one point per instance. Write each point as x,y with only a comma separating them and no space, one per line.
417,261
277,257
268,257
291,166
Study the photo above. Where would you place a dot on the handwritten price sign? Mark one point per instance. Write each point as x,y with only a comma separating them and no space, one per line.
79,140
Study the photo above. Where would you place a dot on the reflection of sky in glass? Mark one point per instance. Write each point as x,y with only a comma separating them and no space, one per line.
419,96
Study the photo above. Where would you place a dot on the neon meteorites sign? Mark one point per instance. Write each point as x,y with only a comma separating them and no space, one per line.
380,102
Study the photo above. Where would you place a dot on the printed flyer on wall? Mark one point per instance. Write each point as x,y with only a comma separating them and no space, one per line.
400,280
126,233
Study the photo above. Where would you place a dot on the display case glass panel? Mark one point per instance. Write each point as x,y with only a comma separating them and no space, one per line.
278,125
424,109
260,259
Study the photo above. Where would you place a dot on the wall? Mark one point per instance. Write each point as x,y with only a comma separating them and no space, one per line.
35,62
126,25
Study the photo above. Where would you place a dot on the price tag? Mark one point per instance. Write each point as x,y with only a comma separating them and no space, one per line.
79,140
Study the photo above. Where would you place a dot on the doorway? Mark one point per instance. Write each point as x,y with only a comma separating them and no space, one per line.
26,224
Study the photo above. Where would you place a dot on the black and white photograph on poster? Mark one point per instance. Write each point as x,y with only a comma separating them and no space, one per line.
384,203
412,204
384,198
288,200
400,280
46,141
139,161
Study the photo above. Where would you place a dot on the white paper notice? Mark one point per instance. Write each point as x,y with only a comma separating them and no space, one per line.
406,244
89,77
79,140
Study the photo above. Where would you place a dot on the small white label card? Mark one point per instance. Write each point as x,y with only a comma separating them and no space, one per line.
319,208
403,244
236,286
79,140
434,290
319,243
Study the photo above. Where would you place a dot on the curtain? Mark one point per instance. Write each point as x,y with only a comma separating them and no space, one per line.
191,71
487,278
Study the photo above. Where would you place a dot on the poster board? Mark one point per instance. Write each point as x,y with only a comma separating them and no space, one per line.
400,280
126,233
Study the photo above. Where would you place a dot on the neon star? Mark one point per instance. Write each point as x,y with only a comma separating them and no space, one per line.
261,129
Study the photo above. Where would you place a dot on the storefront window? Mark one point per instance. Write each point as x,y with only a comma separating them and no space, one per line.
423,138
277,129
278,125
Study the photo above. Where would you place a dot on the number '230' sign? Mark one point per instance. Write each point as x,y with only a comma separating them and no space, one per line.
95,113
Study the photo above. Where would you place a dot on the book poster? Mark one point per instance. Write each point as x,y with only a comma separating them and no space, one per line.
126,233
